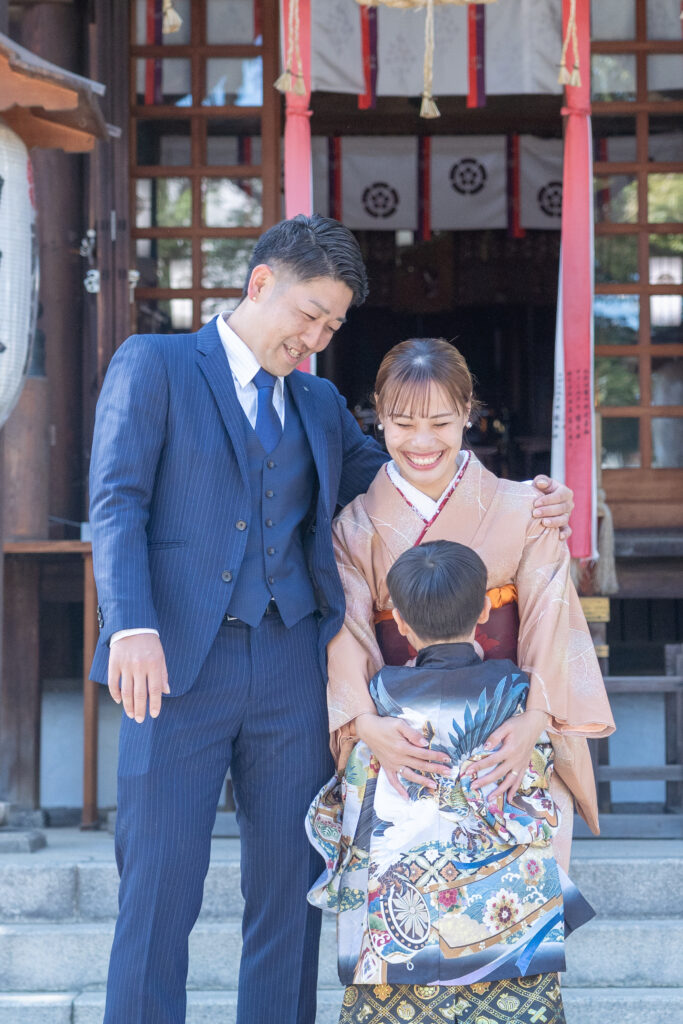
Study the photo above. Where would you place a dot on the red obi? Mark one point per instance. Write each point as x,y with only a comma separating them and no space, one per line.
498,636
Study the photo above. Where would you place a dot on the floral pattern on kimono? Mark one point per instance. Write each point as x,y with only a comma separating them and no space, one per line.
448,888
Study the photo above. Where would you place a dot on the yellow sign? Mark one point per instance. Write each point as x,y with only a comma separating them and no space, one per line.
596,609
602,650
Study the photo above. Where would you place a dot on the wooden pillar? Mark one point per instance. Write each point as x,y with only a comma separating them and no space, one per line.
20,689
90,698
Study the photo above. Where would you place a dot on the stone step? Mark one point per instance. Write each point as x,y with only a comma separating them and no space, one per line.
637,887
73,956
582,1005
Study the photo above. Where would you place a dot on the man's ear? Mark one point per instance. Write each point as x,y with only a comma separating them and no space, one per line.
261,281
401,623
485,612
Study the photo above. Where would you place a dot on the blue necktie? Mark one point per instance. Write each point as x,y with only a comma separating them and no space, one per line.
268,426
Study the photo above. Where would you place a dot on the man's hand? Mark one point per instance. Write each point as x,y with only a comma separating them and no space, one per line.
137,671
555,504
402,750
516,739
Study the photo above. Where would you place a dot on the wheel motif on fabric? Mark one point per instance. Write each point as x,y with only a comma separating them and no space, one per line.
468,176
407,917
550,199
380,199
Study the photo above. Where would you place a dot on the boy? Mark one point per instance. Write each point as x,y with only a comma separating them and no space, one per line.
444,889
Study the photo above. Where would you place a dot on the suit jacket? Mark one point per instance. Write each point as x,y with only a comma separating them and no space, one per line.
169,493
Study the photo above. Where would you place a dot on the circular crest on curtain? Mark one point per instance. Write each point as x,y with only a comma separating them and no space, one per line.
18,267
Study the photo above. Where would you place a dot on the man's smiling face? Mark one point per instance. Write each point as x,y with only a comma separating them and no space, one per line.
289,319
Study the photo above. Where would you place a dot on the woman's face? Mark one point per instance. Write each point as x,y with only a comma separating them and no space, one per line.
425,447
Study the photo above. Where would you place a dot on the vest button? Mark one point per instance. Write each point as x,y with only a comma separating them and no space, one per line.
269,522
226,576
240,524
271,580
270,464
270,551
269,494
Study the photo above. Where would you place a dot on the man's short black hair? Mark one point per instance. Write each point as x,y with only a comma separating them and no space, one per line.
311,247
439,588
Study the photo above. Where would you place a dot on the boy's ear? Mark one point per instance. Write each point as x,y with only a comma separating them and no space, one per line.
401,623
485,612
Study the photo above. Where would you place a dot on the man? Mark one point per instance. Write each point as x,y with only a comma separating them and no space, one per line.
216,470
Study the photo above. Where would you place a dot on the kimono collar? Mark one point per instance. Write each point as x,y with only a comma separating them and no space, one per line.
457,655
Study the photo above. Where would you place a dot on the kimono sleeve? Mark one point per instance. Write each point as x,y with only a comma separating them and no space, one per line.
555,647
353,656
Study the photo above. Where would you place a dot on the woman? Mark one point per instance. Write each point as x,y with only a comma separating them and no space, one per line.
433,490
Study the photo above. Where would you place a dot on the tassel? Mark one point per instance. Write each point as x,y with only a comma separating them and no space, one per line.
299,86
171,21
571,35
284,82
428,107
575,77
564,78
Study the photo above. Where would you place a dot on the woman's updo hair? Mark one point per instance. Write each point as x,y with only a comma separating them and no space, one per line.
407,370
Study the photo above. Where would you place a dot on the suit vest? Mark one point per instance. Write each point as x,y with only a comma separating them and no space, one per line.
282,485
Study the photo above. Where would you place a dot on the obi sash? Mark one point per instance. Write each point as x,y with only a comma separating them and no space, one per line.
497,637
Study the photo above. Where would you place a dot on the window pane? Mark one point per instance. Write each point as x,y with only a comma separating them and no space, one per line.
236,141
667,380
616,319
665,76
212,307
616,381
613,76
234,81
163,202
614,139
226,261
164,262
164,316
150,32
230,21
664,198
232,202
163,80
667,442
666,319
616,259
620,442
613,21
164,142
666,259
663,19
616,198
666,139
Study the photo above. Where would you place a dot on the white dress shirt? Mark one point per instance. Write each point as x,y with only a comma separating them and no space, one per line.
244,366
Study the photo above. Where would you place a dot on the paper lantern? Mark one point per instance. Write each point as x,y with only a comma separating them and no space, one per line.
18,267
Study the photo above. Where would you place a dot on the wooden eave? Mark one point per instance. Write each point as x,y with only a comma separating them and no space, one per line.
47,106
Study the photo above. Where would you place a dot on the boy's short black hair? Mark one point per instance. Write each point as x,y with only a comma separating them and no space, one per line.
439,588
310,247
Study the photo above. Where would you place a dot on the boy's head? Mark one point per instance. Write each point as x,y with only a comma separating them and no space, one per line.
439,591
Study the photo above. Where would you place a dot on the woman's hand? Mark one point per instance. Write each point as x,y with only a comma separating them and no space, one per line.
517,738
402,750
555,504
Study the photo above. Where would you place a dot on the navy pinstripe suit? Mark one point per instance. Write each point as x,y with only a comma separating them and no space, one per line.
169,486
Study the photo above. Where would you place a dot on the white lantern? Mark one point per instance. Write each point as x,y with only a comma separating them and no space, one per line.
18,267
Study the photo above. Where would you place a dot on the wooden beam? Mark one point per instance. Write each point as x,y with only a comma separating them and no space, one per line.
37,131
642,773
18,87
643,684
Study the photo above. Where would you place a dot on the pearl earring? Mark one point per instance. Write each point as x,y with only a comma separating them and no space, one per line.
469,423
380,426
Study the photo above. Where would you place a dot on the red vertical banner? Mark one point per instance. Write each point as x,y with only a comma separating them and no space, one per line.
334,164
424,187
368,24
576,289
515,229
153,25
476,55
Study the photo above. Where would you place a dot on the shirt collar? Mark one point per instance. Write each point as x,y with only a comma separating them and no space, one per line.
421,502
243,363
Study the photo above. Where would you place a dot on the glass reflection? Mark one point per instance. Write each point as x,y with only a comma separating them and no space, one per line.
613,21
163,202
666,259
616,199
231,202
667,442
614,139
616,381
163,80
149,24
620,442
164,316
616,259
212,306
665,77
231,81
233,141
225,262
664,19
617,318
667,380
664,198
163,143
665,143
164,262
231,21
666,319
613,76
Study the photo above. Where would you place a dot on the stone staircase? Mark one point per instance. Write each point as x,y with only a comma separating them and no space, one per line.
58,905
